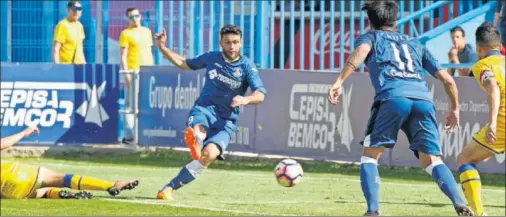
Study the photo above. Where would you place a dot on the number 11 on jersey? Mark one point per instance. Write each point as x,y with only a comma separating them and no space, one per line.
407,56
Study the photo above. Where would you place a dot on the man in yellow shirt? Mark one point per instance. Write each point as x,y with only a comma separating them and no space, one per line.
135,49
22,181
491,139
69,36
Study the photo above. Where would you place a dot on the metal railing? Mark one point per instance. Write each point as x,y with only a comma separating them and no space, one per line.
299,34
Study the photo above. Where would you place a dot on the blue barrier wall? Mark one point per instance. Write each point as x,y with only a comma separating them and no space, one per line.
79,104
70,104
296,118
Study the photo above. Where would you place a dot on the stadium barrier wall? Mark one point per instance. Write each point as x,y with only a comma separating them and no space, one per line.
70,104
296,118
79,104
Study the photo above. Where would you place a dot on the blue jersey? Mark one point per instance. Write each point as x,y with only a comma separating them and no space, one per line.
397,64
225,80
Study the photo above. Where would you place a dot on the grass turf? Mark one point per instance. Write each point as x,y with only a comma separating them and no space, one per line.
245,188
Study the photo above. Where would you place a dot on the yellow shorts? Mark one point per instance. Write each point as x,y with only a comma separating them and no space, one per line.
19,181
500,143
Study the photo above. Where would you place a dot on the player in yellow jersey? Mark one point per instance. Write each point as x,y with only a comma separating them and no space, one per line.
490,140
21,181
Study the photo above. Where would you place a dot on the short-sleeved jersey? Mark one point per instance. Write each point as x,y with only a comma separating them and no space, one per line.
468,55
138,42
71,36
492,66
397,64
225,80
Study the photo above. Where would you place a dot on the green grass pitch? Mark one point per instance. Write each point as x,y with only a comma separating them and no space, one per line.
246,188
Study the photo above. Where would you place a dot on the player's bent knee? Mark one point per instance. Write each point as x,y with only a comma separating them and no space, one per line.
435,161
209,154
373,152
462,158
200,129
426,160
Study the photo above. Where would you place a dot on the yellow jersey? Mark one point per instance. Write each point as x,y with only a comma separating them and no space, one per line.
138,42
19,181
493,66
71,36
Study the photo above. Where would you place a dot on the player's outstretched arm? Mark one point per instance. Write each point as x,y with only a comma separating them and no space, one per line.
176,59
357,57
9,141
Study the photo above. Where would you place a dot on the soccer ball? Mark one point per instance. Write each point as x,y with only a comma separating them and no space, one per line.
288,173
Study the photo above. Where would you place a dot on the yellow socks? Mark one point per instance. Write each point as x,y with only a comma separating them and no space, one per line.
85,183
53,193
471,185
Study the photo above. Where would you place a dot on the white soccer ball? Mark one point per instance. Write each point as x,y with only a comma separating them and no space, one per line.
288,173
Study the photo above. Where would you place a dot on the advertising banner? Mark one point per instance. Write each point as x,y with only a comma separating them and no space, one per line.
297,120
70,104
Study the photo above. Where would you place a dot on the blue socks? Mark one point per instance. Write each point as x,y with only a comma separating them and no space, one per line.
187,174
184,177
369,180
445,180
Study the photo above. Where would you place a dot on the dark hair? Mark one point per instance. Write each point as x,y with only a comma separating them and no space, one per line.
488,36
72,4
230,29
128,10
381,13
458,28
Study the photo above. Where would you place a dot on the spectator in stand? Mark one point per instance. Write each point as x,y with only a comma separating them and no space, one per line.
461,52
500,20
135,44
69,37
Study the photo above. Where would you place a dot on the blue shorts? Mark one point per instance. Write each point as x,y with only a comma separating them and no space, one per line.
219,130
417,118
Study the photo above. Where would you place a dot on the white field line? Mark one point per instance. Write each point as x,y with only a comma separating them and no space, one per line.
167,203
257,175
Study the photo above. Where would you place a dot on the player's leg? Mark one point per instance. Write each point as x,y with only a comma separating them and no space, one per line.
193,137
58,193
51,178
472,154
214,147
369,178
128,119
195,134
422,132
382,129
199,120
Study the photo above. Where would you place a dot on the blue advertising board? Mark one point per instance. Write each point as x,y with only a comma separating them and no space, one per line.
297,120
69,104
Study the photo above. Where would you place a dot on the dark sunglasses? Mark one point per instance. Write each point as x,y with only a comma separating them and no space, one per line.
134,16
74,8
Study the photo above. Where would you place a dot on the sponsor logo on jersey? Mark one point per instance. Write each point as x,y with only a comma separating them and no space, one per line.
214,75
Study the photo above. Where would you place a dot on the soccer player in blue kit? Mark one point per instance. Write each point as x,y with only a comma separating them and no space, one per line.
213,117
396,65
